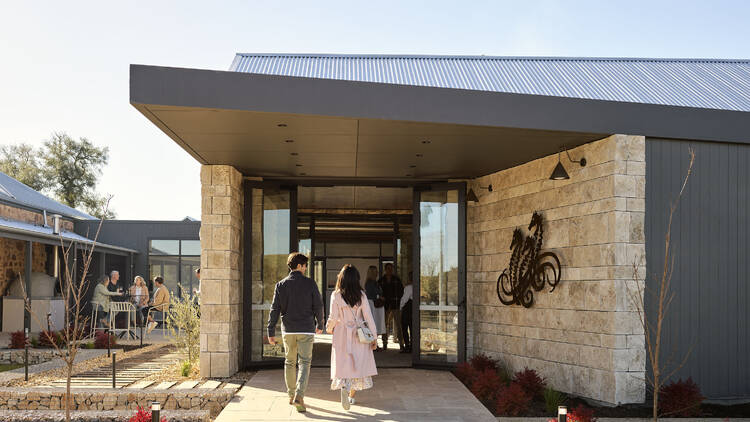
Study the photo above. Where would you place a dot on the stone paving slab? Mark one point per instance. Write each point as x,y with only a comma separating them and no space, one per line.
545,419
403,394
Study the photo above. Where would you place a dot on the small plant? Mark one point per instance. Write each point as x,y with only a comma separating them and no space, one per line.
143,415
88,345
465,373
512,400
50,339
502,371
34,342
480,362
184,324
185,368
531,382
553,399
17,340
681,399
581,414
100,341
486,385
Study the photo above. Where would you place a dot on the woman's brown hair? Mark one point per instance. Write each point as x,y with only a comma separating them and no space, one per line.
348,284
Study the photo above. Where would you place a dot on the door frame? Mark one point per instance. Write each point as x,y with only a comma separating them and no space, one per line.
417,362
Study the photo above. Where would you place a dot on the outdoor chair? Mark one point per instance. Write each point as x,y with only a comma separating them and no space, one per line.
160,319
95,323
117,307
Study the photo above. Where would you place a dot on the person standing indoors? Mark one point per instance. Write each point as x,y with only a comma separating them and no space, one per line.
352,362
406,309
392,290
297,300
376,300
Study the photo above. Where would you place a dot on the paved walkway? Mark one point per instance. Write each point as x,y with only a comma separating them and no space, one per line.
403,394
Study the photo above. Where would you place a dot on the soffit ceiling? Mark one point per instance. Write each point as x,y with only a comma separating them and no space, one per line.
311,146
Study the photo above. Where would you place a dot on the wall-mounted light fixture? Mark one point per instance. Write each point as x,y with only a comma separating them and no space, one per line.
472,197
559,172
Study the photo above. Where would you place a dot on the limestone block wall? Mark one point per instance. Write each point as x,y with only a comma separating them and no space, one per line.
9,212
221,270
585,338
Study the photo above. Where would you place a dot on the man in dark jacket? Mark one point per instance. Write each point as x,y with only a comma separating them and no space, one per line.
297,299
393,289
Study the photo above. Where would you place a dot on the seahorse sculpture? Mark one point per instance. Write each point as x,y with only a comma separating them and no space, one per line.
528,268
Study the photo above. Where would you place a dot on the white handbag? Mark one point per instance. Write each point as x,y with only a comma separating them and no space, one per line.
364,333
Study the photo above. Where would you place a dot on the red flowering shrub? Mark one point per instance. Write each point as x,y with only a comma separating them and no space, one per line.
531,382
143,415
50,338
100,342
512,401
480,362
17,340
581,414
680,399
486,385
465,373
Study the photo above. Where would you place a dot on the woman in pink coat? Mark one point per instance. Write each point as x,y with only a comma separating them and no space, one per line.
352,362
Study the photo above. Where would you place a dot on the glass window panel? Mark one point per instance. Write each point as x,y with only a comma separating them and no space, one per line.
191,247
386,249
164,247
352,249
166,267
189,280
439,275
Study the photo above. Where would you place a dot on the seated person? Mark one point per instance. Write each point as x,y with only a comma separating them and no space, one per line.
139,296
160,302
102,298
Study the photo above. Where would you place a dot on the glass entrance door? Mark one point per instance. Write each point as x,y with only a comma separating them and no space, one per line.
439,266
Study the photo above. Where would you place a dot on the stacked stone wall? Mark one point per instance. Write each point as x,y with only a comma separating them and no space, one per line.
10,212
221,270
36,356
13,260
585,338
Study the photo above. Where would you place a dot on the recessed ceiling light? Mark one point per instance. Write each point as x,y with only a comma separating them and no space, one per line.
426,141
281,125
419,155
413,166
298,165
289,141
293,153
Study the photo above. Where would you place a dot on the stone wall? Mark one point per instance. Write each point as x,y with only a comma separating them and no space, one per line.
36,356
9,212
13,260
116,399
221,270
585,338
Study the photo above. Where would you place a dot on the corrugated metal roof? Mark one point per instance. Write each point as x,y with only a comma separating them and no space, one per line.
15,192
700,83
32,230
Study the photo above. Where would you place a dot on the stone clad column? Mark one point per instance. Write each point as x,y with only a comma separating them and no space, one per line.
221,270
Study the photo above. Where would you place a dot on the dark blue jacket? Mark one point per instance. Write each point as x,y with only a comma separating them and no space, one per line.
297,299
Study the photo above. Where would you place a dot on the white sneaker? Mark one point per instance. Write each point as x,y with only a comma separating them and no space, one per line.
345,398
151,326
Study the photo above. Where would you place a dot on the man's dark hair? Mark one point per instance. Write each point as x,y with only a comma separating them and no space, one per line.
159,279
388,265
295,260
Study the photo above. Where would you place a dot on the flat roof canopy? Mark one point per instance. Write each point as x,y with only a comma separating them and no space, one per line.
289,127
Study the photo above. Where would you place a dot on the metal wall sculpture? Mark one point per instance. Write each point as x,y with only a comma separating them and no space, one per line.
528,268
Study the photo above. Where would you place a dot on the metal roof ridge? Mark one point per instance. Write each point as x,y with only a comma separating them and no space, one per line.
500,58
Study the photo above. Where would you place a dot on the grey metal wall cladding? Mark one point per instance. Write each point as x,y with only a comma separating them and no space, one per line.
700,83
136,234
710,314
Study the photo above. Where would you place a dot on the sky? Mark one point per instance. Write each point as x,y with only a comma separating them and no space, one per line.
64,65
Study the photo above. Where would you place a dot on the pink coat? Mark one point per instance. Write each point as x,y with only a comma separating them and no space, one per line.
349,357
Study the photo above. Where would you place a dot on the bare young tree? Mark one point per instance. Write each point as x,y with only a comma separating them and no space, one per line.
662,297
73,291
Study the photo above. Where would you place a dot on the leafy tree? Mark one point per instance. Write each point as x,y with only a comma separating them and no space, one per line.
74,168
21,163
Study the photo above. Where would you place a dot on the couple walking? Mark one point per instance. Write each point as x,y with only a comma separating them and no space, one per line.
298,302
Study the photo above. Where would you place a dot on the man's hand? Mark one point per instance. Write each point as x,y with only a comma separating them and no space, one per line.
318,331
272,340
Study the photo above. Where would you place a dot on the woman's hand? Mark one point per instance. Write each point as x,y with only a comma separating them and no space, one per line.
374,345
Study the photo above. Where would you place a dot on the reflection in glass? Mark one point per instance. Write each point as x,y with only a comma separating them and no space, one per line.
190,247
188,279
438,267
166,267
164,247
275,246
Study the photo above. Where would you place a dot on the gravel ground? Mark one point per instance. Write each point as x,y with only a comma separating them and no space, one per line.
97,415
58,371
15,374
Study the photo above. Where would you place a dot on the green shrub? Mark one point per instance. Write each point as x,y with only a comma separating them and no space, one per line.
34,342
89,345
184,324
553,399
185,368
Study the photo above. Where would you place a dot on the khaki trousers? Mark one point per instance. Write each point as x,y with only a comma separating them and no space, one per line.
297,347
